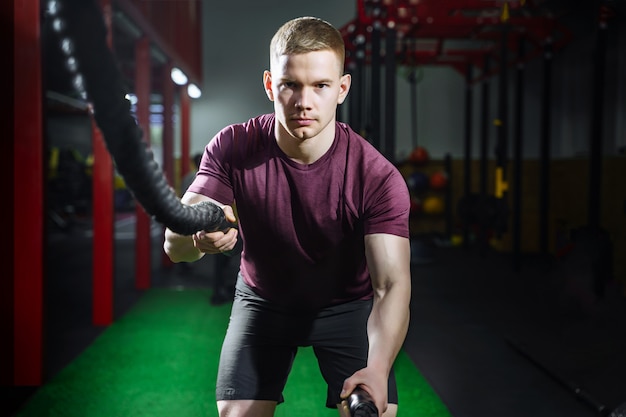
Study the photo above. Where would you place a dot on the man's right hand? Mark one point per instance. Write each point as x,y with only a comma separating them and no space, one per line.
220,241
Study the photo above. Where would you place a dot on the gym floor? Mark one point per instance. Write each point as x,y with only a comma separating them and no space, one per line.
469,310
493,341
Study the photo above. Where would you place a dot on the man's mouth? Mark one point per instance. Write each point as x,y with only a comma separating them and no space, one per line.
303,121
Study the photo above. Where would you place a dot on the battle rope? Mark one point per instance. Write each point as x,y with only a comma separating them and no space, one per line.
82,33
361,404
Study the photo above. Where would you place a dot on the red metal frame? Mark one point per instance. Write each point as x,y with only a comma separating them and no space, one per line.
103,216
185,115
439,21
143,240
175,27
103,225
6,256
168,137
168,124
28,196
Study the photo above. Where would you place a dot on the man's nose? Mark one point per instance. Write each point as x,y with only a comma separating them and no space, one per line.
304,99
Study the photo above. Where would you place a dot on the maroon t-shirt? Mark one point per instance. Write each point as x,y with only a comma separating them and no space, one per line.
303,225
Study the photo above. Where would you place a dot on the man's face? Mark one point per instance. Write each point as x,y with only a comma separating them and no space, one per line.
306,89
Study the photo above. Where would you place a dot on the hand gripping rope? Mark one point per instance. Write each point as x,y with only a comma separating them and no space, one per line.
360,404
82,34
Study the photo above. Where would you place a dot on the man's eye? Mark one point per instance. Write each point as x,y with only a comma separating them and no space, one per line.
289,84
322,85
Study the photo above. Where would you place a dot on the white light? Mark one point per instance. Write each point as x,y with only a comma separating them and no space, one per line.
156,119
178,76
71,64
132,98
58,25
156,108
53,7
67,46
193,91
78,82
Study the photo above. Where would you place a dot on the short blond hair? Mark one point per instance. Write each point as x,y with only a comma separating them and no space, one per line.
307,34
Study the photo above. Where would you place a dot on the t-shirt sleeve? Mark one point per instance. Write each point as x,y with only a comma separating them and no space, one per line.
213,178
389,206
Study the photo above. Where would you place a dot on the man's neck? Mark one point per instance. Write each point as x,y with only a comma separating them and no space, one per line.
305,151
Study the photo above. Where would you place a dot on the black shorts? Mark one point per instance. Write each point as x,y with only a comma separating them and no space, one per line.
262,341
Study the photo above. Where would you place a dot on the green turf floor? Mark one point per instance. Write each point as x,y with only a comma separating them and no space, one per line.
160,359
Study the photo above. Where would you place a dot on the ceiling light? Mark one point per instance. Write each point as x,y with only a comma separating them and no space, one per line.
178,76
193,91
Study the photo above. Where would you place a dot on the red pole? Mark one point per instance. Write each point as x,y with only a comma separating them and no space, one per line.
102,213
6,256
184,104
27,196
184,131
168,137
168,125
103,217
142,229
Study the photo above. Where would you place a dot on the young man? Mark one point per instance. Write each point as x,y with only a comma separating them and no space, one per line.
324,221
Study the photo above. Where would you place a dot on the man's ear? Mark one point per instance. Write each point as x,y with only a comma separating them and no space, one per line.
344,87
267,84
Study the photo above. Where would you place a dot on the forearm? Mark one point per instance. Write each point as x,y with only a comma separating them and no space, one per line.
180,248
388,324
388,259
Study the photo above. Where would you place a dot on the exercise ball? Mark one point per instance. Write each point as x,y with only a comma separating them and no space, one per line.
433,205
419,155
456,240
417,182
438,180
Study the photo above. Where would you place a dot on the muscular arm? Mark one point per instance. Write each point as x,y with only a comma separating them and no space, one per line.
388,260
181,248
